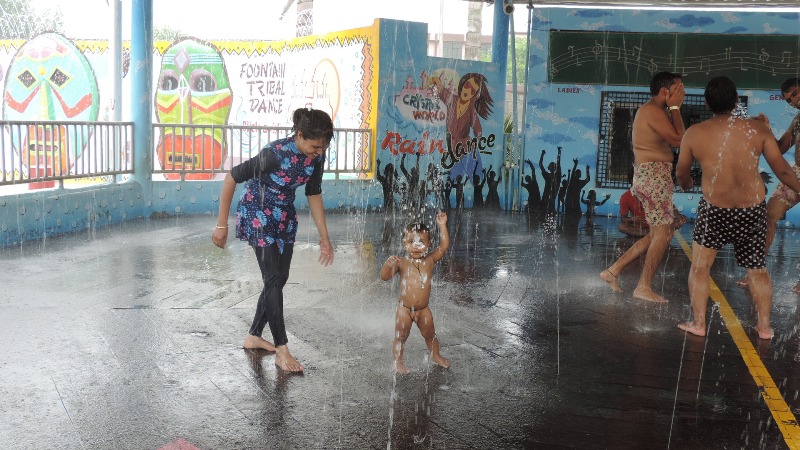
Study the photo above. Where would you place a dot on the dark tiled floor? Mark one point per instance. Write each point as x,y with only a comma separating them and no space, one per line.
129,338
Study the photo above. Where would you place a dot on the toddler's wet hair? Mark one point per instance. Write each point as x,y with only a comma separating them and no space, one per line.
417,227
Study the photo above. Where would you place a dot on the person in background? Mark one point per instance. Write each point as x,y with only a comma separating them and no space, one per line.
266,218
632,220
784,198
631,214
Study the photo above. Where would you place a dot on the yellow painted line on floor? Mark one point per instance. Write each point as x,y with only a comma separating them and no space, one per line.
783,416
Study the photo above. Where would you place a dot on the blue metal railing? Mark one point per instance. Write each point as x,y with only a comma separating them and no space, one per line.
203,151
46,153
53,151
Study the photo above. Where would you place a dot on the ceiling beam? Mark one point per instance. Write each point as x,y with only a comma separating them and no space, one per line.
733,4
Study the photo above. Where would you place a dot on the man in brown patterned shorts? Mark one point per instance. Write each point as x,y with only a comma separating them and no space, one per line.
657,127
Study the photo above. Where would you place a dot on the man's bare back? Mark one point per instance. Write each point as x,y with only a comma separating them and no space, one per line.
732,210
732,146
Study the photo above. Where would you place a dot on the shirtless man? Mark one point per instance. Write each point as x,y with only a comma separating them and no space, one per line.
416,271
784,198
657,128
732,209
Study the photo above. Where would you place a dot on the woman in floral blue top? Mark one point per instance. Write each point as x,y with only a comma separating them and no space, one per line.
267,220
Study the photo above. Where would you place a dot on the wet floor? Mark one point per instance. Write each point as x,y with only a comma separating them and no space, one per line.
129,338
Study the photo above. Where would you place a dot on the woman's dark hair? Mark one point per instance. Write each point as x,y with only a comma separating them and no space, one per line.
662,80
313,123
721,95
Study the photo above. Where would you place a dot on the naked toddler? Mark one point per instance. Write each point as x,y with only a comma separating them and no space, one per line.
416,270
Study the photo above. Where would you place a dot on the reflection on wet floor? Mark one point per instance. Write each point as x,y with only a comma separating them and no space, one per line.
131,339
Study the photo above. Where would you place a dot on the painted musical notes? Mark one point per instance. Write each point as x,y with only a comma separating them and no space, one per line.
628,58
652,67
635,50
764,56
604,53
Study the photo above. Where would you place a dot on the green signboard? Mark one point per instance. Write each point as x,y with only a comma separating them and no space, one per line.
630,59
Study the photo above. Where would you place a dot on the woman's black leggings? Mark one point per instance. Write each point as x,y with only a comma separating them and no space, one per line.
274,271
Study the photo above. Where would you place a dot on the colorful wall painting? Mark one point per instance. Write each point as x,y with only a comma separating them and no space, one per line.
49,79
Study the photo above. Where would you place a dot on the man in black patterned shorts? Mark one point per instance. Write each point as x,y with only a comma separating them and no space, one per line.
732,209
784,198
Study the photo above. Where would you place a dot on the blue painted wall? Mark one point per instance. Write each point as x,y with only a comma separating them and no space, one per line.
404,71
558,115
568,115
417,96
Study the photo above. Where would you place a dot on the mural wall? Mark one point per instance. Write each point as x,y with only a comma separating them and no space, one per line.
46,78
440,136
436,122
562,129
197,83
257,84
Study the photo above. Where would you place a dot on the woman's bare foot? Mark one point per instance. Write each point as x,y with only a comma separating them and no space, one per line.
742,281
438,359
649,295
611,279
399,367
767,333
252,342
796,288
285,361
691,327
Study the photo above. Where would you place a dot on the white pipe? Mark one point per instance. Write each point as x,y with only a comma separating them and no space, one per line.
440,51
115,45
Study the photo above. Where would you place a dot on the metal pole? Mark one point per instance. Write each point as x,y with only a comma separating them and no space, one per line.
440,51
116,59
142,93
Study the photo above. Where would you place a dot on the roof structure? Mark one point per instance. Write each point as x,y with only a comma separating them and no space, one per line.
755,4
